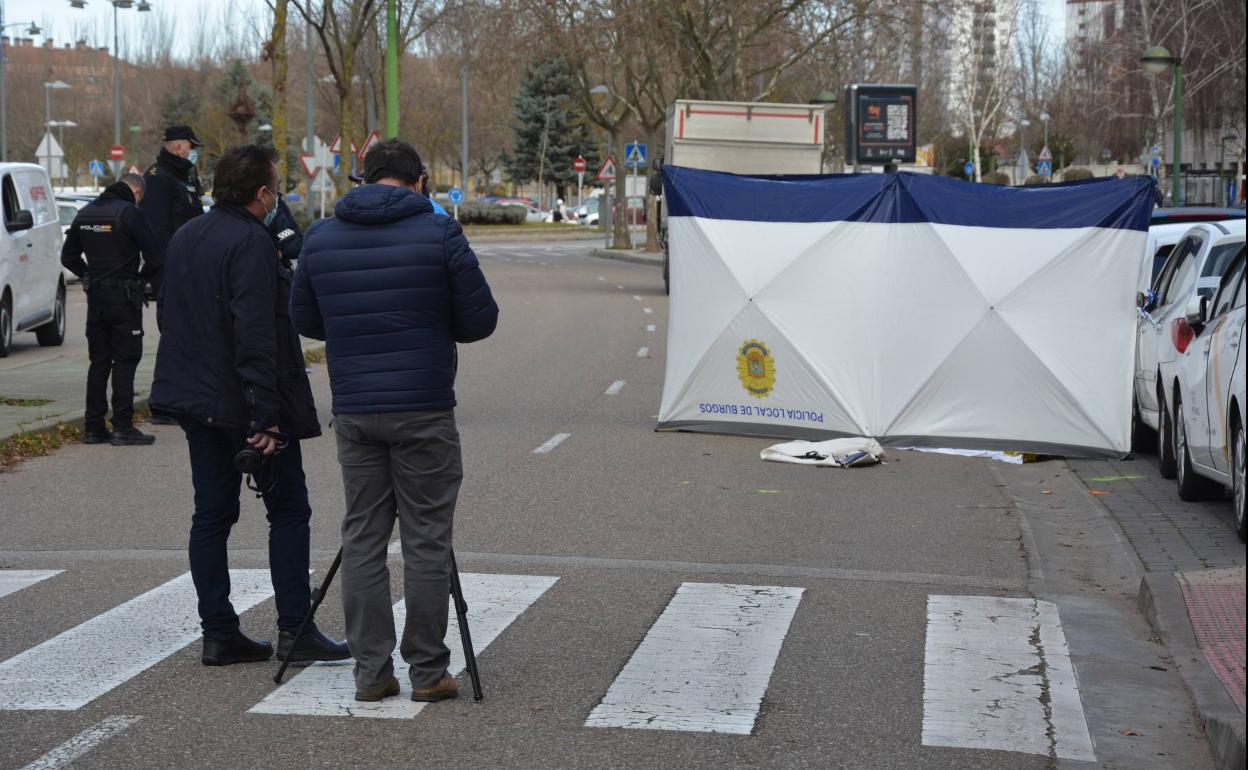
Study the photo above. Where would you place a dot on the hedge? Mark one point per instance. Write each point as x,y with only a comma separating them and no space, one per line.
475,213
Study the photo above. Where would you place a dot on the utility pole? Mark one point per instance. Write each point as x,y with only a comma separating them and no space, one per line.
116,92
392,69
310,141
463,97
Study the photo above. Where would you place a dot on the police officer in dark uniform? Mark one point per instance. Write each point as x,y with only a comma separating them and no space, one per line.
112,231
286,230
173,196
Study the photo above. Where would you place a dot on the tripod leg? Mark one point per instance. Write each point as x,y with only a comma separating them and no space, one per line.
461,614
317,597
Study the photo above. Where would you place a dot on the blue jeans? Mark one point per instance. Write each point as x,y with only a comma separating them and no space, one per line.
217,487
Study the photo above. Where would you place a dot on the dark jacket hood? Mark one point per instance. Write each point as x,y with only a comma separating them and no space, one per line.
119,190
180,166
371,204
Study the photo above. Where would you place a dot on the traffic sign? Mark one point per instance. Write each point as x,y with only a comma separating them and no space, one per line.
372,139
308,161
578,165
606,172
1044,154
1044,167
1156,161
96,168
968,168
635,155
455,195
117,152
336,145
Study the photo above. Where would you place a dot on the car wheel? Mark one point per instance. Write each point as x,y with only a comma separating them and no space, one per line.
6,325
1192,487
1165,440
1239,450
52,334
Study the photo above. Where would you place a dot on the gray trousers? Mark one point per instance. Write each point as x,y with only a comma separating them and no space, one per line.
405,465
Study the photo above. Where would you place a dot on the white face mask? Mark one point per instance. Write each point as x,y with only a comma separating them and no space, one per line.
193,155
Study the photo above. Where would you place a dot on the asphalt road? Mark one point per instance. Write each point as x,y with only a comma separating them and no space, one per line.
622,516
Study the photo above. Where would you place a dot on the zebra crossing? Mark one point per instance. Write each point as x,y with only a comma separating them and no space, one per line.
997,674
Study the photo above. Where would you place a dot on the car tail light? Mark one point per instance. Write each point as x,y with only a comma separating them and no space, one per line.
1182,333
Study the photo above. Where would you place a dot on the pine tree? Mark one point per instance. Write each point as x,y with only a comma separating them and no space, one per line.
547,136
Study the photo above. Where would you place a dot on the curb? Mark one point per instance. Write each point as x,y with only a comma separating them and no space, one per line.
553,235
1162,604
75,418
626,256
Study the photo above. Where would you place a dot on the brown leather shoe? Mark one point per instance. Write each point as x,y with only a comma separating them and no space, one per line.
443,689
374,694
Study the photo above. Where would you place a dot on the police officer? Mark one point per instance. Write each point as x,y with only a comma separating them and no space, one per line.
112,231
286,230
173,196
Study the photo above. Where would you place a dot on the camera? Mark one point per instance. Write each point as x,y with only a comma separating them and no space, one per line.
250,461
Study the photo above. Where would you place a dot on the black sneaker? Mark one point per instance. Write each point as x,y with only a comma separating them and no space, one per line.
313,645
239,648
100,436
131,437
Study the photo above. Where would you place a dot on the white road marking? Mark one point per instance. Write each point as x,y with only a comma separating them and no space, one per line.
601,278
396,546
621,288
991,664
551,443
636,297
70,670
328,689
12,580
650,327
74,748
705,663
614,388
647,310
643,352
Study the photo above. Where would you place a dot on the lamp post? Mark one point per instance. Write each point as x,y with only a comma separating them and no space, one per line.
48,88
141,6
1022,149
1156,61
60,126
32,30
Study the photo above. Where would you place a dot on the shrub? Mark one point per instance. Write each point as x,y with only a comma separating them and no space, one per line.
475,213
1035,180
1076,174
996,177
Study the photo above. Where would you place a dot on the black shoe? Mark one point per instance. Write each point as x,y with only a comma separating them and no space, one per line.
160,419
313,645
100,436
238,649
131,437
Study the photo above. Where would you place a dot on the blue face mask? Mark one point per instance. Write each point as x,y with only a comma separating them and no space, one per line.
193,156
269,216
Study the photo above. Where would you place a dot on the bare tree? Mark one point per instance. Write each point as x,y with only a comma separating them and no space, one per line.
275,50
984,83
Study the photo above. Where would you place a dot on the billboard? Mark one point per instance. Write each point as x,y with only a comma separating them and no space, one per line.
880,123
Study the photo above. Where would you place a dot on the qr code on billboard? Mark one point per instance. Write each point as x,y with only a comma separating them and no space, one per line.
898,122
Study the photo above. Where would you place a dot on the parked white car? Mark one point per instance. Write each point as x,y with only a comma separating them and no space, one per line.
32,291
1208,393
67,207
1166,300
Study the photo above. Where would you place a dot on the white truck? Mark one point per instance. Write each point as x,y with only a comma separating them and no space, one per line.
742,138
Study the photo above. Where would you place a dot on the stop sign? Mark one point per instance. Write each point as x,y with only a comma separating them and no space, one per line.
117,152
578,164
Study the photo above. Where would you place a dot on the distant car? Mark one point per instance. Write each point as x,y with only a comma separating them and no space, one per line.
531,213
32,291
587,212
1166,300
67,207
1208,395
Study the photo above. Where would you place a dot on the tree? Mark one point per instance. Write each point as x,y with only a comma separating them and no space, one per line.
546,136
275,50
984,85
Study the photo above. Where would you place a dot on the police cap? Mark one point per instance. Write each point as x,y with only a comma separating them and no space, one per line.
173,133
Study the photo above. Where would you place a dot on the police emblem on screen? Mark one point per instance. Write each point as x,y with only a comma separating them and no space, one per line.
756,368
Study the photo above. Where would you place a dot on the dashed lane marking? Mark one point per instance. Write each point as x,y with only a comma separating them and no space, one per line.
74,748
70,670
705,663
647,310
643,352
614,388
551,443
650,327
13,580
328,689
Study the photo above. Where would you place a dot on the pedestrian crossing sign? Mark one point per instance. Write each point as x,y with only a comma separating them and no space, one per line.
96,168
635,155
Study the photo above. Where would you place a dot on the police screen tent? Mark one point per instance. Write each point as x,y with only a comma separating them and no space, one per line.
916,310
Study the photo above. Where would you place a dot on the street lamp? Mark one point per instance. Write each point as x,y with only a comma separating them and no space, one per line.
31,29
1156,60
143,6
48,88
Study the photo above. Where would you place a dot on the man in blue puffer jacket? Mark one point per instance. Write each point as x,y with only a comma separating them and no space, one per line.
391,287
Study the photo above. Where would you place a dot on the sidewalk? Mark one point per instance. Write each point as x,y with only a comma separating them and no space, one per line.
636,256
1192,592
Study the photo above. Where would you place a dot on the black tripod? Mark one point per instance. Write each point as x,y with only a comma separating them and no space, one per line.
461,615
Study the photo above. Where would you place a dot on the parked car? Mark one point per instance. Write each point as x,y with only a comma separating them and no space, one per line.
32,291
531,213
67,207
1193,214
1161,240
1208,393
1166,300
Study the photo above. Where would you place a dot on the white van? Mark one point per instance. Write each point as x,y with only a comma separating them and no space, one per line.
32,289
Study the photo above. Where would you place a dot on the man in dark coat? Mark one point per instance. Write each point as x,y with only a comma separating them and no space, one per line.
112,231
392,287
173,186
230,369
